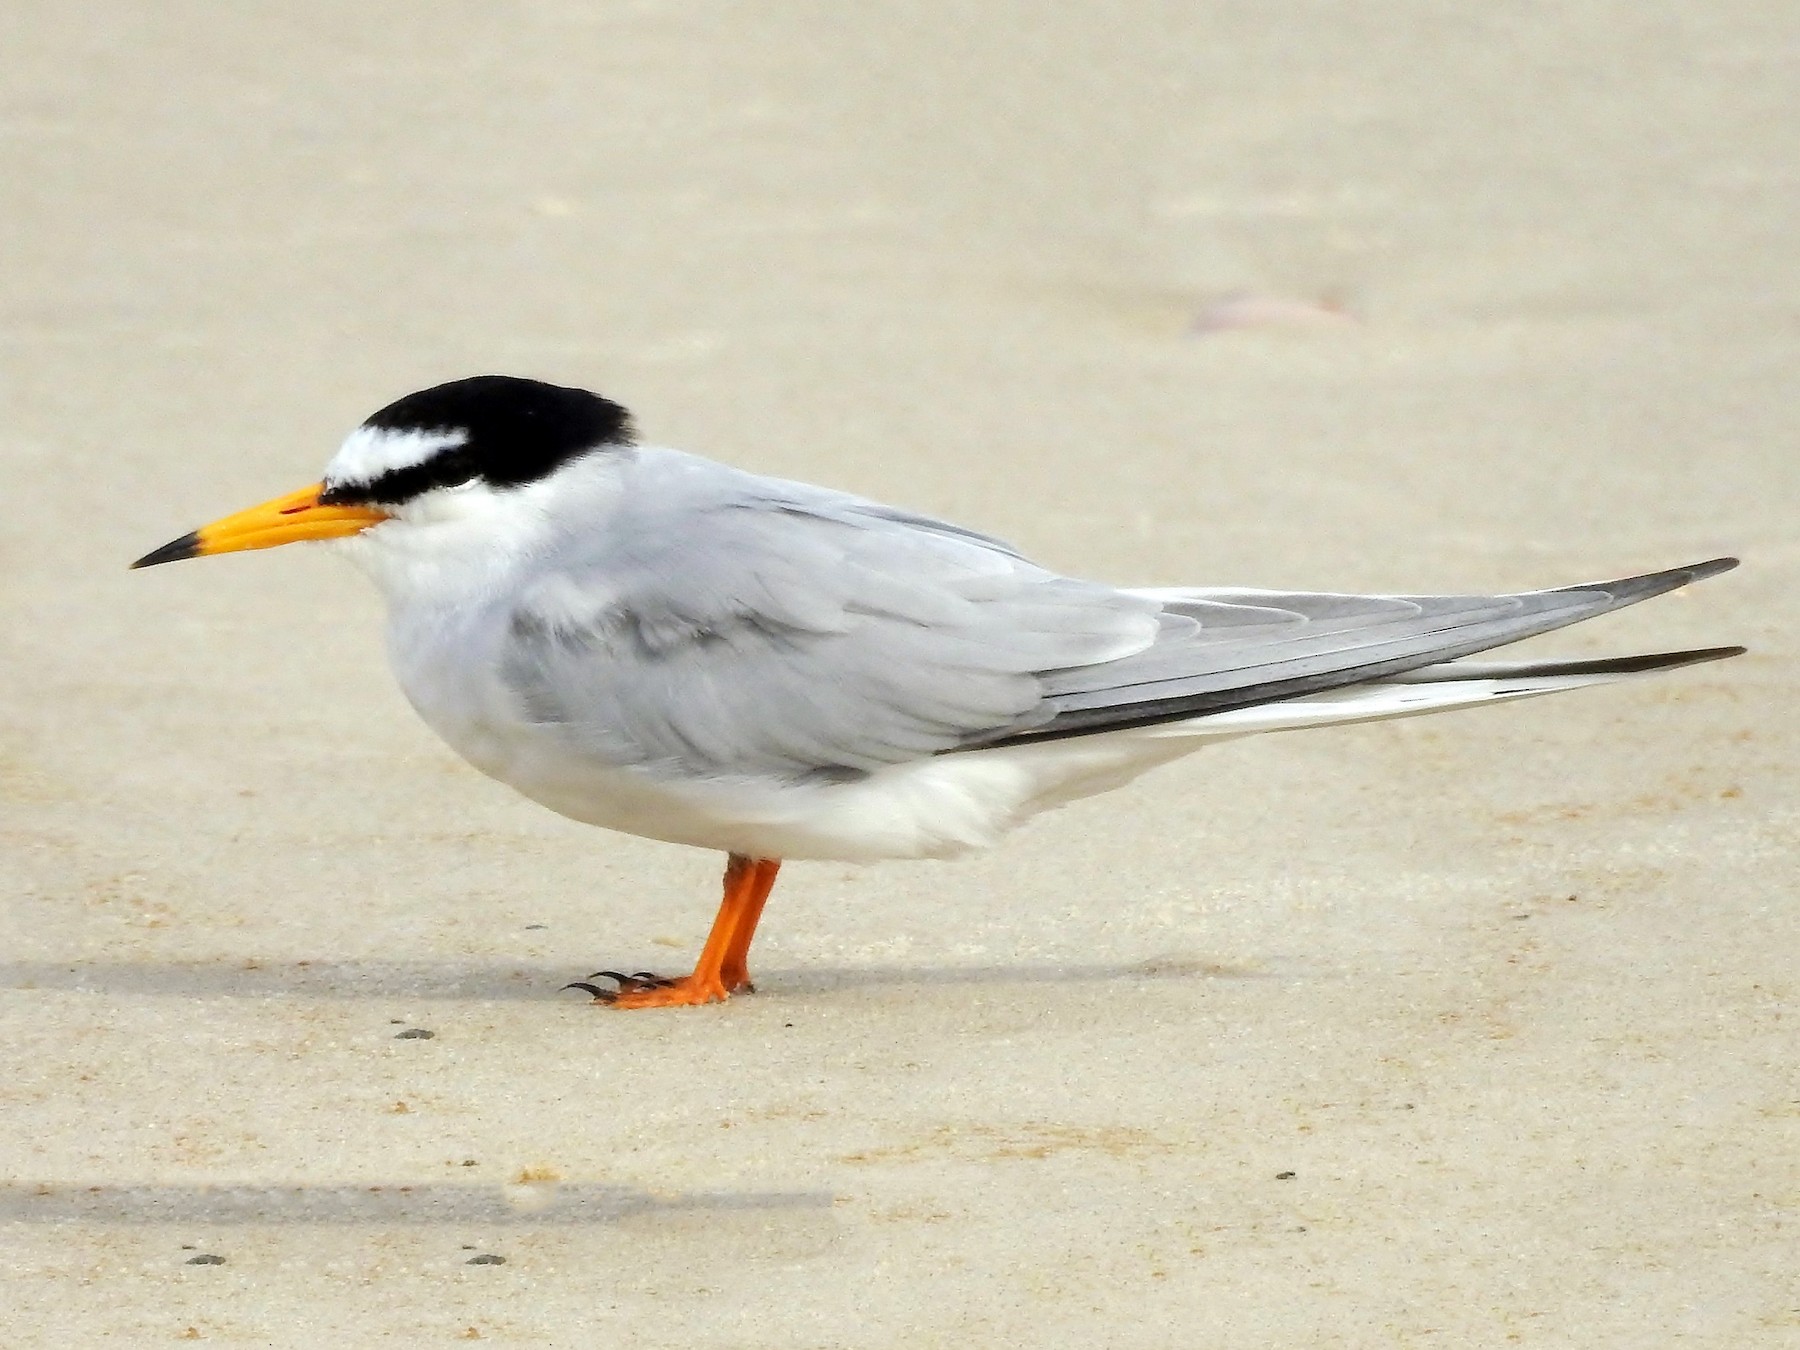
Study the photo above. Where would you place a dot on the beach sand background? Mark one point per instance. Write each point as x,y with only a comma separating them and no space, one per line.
1467,1031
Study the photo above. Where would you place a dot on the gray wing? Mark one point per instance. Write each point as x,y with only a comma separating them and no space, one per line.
721,624
1253,647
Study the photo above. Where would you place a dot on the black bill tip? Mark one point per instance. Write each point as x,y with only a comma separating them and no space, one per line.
188,546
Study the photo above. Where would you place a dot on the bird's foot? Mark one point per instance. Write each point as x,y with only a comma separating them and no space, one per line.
644,990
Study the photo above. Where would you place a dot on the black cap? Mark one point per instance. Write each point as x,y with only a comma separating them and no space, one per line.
514,431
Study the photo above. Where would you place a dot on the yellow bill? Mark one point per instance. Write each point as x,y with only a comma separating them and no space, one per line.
286,520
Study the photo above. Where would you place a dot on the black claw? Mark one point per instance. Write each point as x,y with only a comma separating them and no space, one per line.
643,979
600,995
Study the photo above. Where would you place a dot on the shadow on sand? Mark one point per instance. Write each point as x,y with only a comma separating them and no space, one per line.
496,981
468,1203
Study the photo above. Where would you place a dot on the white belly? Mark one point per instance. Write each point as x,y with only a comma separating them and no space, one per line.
930,808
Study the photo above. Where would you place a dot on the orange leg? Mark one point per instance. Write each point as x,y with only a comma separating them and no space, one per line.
722,969
735,971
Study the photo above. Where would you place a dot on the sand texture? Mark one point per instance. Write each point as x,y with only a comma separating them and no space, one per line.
1476,1030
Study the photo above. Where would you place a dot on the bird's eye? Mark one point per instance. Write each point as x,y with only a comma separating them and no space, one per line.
452,468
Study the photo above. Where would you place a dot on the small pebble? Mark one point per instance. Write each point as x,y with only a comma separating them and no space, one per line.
485,1259
1284,1176
205,1259
530,926
416,1034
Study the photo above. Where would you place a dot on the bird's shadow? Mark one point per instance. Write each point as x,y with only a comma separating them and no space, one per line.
462,1204
510,981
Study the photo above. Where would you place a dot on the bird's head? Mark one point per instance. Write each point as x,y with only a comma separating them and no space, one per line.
467,448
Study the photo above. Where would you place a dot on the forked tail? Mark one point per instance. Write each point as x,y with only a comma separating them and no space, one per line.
1455,684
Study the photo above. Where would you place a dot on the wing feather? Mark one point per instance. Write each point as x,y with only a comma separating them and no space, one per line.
725,625
1343,640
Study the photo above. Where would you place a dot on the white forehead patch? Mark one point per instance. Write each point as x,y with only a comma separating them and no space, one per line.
369,452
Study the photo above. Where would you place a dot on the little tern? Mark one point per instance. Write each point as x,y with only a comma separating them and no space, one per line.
652,642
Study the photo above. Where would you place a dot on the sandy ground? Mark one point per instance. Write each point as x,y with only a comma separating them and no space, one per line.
1471,1031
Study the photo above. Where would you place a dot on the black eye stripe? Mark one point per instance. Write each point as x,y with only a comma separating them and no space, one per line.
447,468
513,431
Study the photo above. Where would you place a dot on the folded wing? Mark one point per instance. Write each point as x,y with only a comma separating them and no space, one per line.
779,630
732,626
